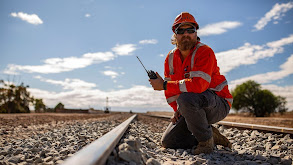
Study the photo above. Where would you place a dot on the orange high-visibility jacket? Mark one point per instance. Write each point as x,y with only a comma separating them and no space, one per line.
196,74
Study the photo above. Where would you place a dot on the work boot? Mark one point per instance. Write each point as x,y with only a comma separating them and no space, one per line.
205,147
220,139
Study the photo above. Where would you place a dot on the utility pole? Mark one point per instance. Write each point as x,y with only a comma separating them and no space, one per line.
107,108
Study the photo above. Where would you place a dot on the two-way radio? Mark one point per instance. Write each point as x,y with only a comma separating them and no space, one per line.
151,74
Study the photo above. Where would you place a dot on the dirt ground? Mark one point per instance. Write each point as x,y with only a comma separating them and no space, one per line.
285,120
24,120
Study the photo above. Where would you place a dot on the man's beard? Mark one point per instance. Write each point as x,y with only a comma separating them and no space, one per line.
186,43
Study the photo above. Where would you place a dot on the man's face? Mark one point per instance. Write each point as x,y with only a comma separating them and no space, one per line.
186,40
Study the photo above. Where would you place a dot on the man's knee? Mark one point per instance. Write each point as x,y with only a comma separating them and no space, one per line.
184,99
187,101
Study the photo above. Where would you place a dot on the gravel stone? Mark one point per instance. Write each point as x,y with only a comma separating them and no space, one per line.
250,147
130,156
152,161
14,159
48,159
286,161
3,152
51,143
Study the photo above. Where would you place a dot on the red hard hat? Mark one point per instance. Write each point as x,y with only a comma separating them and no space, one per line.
184,17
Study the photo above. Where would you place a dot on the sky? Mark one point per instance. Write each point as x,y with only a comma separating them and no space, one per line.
81,52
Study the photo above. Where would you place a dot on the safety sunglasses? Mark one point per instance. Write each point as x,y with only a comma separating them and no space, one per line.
182,31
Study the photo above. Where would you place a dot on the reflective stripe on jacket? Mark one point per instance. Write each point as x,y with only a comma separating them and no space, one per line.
197,73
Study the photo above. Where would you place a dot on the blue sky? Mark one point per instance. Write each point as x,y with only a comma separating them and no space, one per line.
80,52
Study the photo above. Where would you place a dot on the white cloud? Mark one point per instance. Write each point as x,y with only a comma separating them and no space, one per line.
152,41
113,67
71,84
118,100
286,70
87,15
218,28
125,49
276,13
81,94
162,55
281,42
250,54
30,18
57,65
110,73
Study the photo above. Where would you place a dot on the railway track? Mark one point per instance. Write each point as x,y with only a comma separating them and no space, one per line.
145,150
138,142
98,151
263,128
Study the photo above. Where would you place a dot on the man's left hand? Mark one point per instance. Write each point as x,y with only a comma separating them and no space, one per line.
157,83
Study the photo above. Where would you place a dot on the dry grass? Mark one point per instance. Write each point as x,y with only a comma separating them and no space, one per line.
285,120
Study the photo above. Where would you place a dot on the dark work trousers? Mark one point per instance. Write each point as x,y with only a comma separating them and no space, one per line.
199,111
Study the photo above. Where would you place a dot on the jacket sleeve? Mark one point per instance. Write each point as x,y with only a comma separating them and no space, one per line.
200,75
169,94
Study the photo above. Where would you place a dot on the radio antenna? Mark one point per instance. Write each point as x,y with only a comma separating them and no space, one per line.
142,64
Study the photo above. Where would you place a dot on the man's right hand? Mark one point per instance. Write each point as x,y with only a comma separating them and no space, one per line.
175,117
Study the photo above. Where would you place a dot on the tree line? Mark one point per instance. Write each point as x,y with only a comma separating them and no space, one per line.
247,97
250,97
16,99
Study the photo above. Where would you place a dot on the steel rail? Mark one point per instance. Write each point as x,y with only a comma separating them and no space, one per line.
244,125
98,151
258,127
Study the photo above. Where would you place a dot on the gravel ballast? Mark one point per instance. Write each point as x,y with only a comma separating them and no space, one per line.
51,143
141,145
